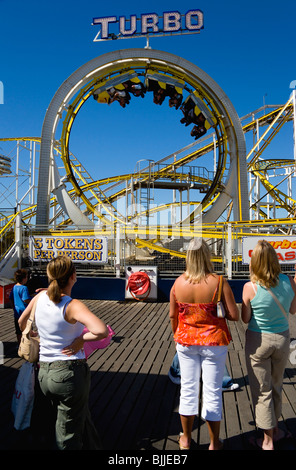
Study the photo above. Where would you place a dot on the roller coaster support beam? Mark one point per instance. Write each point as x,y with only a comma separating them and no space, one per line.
294,120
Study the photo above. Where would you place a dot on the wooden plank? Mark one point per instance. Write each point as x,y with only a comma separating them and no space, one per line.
231,412
131,399
115,406
152,429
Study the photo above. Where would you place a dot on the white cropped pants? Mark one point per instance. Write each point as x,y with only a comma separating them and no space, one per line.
211,361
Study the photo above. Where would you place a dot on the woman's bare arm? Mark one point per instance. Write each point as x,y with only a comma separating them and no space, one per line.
22,321
248,294
293,304
173,311
77,311
229,302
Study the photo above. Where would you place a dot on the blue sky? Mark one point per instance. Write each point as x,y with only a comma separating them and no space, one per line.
246,47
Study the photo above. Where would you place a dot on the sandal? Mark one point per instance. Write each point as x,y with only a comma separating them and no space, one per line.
179,442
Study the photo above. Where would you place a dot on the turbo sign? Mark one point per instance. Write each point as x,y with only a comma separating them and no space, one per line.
285,248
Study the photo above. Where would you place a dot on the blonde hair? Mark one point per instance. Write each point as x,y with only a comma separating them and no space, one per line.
59,271
265,266
198,261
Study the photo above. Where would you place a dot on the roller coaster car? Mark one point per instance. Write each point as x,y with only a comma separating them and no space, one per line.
196,112
119,89
112,94
162,86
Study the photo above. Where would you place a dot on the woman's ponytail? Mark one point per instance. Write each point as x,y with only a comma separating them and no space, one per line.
59,271
54,291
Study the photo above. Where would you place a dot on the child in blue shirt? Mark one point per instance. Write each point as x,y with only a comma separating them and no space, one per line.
19,298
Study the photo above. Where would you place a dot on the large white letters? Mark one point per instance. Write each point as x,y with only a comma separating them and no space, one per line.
133,26
105,24
171,21
149,23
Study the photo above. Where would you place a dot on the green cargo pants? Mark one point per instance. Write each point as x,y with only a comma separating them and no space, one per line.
67,384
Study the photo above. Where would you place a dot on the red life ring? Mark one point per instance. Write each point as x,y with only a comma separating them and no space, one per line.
139,284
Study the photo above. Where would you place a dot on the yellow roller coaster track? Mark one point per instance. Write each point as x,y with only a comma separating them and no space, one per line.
261,167
275,120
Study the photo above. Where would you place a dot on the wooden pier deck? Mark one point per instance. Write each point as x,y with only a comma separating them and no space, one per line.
133,403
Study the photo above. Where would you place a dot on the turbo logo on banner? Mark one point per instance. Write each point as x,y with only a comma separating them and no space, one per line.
285,248
79,249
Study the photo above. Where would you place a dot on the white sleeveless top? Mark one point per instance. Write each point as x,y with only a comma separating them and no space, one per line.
54,331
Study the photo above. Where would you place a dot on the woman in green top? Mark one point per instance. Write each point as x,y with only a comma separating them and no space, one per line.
267,337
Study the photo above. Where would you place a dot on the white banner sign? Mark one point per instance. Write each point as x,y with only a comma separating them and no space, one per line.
285,248
79,249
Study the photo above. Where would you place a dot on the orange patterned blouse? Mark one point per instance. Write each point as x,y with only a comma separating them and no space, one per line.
198,325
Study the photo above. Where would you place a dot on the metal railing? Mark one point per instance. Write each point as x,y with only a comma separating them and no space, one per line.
165,246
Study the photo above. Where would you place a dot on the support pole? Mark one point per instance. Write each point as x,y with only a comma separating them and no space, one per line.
18,236
294,121
229,251
117,251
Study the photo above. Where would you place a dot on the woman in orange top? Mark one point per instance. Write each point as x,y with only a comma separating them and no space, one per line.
202,340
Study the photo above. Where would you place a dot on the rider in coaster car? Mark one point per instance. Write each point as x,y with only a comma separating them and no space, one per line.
159,95
175,101
161,91
136,89
198,131
175,97
188,111
188,108
123,97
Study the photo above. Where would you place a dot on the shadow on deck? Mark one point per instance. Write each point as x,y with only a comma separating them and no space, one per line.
133,403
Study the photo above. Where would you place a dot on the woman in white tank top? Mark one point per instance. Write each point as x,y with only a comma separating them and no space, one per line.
64,375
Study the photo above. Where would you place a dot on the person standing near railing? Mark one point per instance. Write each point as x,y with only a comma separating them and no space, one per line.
19,298
267,299
202,339
64,374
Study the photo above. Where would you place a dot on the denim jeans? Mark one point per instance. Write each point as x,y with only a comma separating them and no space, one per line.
66,384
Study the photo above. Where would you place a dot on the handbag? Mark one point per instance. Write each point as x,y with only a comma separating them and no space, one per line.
220,307
29,345
23,397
